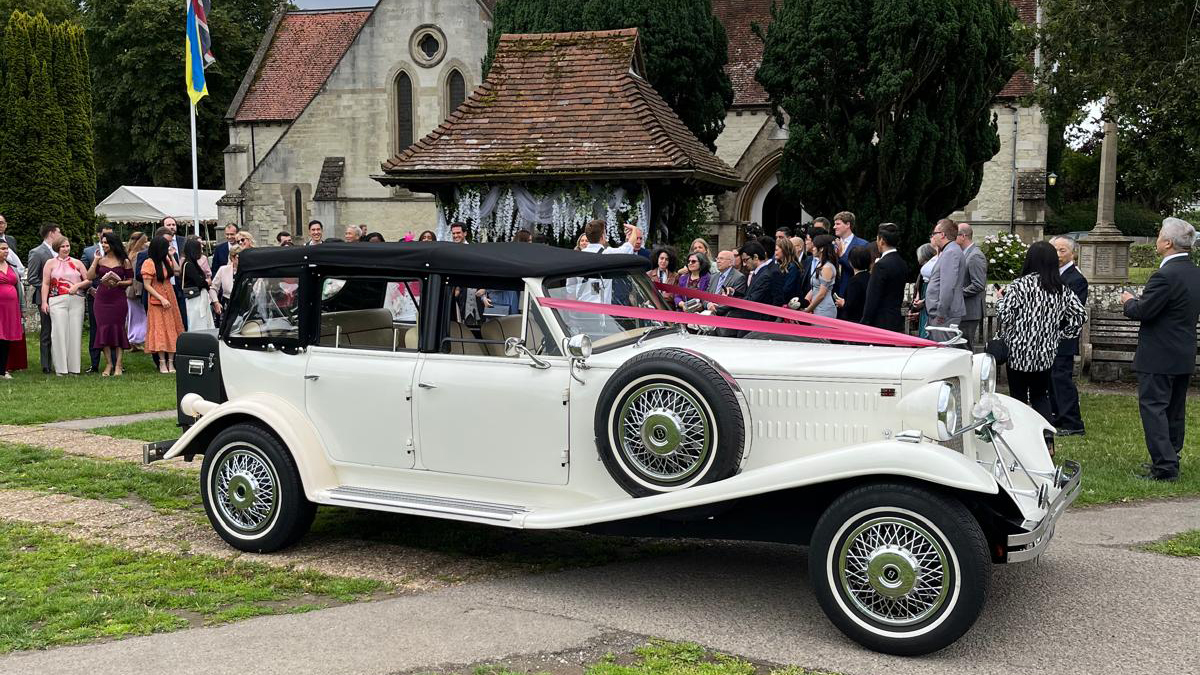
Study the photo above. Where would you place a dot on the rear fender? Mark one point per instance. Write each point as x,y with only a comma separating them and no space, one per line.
277,415
924,462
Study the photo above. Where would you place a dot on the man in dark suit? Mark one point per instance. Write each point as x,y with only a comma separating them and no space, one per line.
760,285
1166,350
885,290
1064,396
844,240
38,256
220,256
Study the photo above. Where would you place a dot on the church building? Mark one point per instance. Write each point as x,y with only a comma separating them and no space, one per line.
331,94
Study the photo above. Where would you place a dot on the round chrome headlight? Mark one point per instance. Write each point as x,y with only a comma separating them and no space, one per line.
986,373
947,410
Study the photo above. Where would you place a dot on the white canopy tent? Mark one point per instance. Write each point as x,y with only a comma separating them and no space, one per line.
136,204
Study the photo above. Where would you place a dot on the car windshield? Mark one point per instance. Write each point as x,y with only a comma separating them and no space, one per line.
617,288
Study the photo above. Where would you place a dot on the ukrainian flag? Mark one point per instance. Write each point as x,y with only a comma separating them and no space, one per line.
197,48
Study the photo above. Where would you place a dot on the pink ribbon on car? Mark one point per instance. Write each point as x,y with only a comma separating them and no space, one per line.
824,328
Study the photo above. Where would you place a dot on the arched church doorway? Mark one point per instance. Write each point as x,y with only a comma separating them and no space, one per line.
771,208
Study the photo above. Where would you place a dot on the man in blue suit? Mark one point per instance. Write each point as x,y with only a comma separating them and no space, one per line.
220,256
845,239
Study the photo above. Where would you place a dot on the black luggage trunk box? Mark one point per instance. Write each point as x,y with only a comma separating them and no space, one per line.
198,370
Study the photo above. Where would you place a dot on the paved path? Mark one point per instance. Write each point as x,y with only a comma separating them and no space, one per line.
1092,605
115,420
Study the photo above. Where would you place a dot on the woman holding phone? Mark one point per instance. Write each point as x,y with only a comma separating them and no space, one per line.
111,275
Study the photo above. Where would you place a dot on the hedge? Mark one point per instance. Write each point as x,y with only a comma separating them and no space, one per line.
1133,219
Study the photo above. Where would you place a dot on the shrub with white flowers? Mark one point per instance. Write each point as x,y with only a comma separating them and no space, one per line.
1005,255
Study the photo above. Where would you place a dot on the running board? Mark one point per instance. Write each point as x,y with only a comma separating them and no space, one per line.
427,503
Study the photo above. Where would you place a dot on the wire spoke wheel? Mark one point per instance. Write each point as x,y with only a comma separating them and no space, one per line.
246,490
665,433
894,571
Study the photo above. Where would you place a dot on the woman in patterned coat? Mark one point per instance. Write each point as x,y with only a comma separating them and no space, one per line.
1036,312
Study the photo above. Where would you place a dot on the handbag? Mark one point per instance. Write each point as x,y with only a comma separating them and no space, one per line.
188,293
997,347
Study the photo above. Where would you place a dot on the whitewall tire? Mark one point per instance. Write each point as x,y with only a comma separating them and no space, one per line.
667,420
252,491
900,569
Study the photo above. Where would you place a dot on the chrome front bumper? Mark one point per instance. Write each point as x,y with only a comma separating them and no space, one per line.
1029,545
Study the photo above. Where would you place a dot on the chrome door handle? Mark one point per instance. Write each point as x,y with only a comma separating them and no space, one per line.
423,385
314,378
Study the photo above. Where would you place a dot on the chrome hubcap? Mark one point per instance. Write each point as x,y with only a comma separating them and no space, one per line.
665,434
246,490
894,571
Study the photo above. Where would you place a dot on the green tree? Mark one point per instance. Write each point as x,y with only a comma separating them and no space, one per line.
684,44
55,11
141,120
888,103
1139,59
34,186
74,93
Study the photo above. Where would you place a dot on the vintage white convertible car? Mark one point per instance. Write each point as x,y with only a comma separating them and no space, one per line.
341,376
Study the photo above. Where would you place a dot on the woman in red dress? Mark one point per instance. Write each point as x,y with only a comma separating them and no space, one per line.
10,309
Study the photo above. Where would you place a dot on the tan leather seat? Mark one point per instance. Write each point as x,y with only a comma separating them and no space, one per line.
412,338
360,328
502,328
457,330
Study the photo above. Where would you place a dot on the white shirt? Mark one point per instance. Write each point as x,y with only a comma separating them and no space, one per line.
846,241
881,255
1170,257
1066,267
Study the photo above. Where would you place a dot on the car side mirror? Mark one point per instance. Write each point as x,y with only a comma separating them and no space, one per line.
515,346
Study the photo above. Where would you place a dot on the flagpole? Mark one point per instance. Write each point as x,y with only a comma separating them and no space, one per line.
195,178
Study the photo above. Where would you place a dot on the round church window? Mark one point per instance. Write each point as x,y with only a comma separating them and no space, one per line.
427,46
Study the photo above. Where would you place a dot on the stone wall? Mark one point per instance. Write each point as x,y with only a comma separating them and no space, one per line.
354,117
991,210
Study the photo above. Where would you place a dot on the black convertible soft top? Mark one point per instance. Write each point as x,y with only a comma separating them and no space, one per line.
508,259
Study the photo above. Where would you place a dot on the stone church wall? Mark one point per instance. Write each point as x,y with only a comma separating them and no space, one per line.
991,210
354,117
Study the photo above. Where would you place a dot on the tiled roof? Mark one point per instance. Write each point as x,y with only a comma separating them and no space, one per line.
1021,83
564,104
745,48
302,52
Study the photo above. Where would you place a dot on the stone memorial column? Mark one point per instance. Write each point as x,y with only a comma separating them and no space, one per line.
1104,252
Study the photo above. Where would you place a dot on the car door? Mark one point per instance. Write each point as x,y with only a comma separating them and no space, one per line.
357,384
493,416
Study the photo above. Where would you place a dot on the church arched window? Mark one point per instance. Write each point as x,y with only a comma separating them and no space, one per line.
456,91
404,112
298,211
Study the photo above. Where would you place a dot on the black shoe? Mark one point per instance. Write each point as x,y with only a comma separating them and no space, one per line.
1147,472
47,371
91,370
1070,432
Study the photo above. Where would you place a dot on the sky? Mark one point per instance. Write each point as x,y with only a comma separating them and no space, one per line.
325,4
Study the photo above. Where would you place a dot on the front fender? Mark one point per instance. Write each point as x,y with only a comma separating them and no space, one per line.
282,418
921,461
1027,438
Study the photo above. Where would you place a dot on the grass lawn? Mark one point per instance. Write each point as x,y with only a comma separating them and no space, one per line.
660,657
28,468
1185,545
1139,275
146,430
57,591
1114,448
32,397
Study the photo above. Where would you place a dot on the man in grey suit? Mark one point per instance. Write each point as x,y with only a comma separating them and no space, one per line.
975,288
944,297
38,256
727,276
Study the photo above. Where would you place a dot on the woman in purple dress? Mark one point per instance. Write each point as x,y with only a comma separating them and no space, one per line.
136,325
111,274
